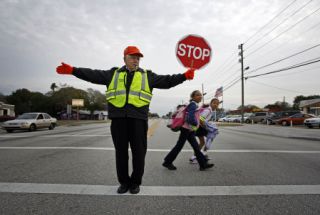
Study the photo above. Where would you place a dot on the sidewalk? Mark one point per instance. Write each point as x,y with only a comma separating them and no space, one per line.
279,131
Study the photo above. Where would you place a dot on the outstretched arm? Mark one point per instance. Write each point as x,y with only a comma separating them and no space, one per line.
95,76
168,81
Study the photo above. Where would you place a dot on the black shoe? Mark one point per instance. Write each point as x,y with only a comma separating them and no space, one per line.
170,166
123,188
206,166
134,189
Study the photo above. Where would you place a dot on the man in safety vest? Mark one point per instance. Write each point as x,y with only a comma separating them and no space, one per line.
129,93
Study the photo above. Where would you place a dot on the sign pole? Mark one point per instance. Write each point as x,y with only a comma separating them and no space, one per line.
77,112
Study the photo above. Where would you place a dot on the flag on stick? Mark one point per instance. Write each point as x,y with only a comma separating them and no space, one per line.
219,92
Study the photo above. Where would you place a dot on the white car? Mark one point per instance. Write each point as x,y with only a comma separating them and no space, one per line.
31,122
312,122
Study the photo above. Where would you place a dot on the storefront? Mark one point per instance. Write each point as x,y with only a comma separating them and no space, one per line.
311,106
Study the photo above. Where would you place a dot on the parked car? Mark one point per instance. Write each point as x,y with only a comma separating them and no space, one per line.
234,118
273,117
296,119
312,122
31,122
257,117
224,119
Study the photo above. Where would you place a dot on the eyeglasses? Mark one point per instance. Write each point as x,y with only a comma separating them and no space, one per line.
134,57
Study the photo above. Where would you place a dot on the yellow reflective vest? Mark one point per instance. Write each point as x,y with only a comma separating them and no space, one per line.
139,94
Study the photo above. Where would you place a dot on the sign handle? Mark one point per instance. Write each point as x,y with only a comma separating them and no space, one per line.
191,64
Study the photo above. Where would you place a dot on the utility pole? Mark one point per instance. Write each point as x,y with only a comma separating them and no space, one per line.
242,83
203,94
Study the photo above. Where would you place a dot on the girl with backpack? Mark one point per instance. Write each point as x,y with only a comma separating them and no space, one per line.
187,132
207,128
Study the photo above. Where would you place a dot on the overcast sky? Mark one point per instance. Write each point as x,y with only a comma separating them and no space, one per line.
37,35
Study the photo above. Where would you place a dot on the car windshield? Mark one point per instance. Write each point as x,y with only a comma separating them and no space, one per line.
28,116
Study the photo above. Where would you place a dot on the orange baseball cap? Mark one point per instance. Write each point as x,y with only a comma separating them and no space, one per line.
132,50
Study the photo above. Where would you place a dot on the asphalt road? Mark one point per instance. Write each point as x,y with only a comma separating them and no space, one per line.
71,170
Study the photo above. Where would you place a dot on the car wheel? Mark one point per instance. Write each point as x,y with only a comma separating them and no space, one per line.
32,127
310,126
51,127
9,130
284,123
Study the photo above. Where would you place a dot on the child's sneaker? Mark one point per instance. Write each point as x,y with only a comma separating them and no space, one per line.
193,160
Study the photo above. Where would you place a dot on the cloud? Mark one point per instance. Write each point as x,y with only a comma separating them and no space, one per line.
37,35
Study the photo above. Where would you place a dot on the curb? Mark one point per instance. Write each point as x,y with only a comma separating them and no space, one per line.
278,135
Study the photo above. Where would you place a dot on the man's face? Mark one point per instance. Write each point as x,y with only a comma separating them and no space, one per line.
132,62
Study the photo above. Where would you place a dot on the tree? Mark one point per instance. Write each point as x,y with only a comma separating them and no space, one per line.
64,96
21,99
27,101
3,98
249,108
53,87
279,106
97,101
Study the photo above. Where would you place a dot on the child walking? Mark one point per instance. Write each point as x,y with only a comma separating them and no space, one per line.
187,132
207,128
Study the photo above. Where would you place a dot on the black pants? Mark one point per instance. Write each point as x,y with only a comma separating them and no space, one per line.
185,135
133,131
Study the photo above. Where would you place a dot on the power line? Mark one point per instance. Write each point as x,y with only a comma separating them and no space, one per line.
296,72
275,62
284,32
270,21
277,87
278,47
233,65
229,67
234,73
305,63
232,84
225,62
299,9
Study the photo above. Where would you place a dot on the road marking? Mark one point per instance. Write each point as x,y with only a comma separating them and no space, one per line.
59,135
154,150
153,128
82,189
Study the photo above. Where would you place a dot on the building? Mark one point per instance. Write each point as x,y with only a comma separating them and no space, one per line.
100,115
6,112
311,106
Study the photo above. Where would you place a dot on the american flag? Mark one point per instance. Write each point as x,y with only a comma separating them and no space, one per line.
219,92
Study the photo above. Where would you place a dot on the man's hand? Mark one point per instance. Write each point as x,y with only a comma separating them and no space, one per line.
64,69
189,74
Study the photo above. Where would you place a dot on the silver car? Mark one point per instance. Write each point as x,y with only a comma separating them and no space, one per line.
312,122
31,122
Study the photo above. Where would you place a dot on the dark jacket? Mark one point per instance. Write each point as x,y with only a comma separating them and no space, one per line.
104,77
191,113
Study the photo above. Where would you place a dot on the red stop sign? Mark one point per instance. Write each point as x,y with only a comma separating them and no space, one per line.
193,51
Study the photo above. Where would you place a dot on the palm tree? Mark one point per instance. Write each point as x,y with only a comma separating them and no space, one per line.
53,87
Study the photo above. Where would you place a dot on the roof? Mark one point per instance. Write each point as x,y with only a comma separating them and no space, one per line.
310,103
4,105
